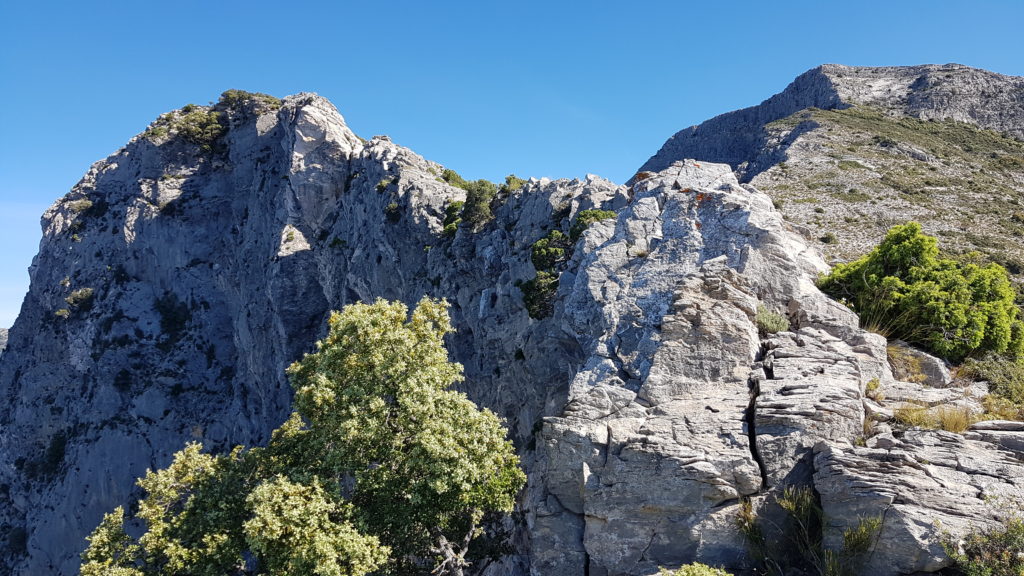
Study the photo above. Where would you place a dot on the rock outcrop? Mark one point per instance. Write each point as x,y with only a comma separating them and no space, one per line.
178,279
3,340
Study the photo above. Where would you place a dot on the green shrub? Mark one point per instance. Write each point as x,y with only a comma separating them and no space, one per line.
1005,375
393,212
584,219
80,206
769,322
695,569
539,294
200,126
81,298
236,98
829,238
948,307
477,210
382,186
452,177
994,552
512,182
452,218
550,251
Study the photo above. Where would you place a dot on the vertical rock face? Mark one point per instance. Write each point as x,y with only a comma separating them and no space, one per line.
176,282
3,339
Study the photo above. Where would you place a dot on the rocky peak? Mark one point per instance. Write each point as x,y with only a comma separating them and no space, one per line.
950,91
181,276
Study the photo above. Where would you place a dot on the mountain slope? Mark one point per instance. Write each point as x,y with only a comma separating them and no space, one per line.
847,152
181,276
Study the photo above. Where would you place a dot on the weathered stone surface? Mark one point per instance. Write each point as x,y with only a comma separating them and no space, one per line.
912,365
3,340
921,484
645,407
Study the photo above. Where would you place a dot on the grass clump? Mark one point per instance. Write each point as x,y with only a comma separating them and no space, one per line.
769,322
952,308
956,419
800,547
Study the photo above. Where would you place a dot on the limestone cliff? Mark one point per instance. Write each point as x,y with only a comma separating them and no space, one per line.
181,276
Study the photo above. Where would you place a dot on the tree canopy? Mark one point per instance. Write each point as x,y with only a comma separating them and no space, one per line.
953,307
381,467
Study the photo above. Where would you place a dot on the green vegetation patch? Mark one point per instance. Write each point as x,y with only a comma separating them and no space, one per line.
381,468
585,218
996,551
904,289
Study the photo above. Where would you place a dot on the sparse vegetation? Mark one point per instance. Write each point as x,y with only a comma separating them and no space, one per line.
996,551
769,322
238,98
512,182
79,206
539,294
476,211
80,299
800,546
695,569
197,125
584,219
452,218
393,212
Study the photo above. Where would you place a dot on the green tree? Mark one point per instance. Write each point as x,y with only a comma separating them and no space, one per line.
380,467
951,307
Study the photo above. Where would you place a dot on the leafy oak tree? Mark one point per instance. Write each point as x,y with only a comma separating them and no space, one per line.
380,468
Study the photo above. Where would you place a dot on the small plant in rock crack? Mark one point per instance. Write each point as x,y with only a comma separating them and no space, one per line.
769,322
800,545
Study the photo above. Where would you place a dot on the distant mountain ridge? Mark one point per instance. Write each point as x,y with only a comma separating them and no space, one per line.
929,92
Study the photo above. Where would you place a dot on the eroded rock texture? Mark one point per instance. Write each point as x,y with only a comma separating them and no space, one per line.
174,285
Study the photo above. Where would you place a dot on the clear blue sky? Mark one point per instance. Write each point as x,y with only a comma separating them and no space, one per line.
550,88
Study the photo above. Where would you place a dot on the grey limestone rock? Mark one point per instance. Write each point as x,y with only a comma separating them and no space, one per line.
922,485
174,285
3,340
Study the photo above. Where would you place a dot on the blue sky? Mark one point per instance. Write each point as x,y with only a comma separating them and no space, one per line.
556,89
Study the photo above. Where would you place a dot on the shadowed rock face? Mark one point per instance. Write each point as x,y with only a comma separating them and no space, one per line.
951,91
173,287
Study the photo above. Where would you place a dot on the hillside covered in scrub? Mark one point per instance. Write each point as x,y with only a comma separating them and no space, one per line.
676,386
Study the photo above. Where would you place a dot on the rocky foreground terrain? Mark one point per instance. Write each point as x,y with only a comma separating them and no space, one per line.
181,276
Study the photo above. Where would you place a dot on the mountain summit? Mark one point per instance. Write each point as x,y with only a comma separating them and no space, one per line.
662,357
